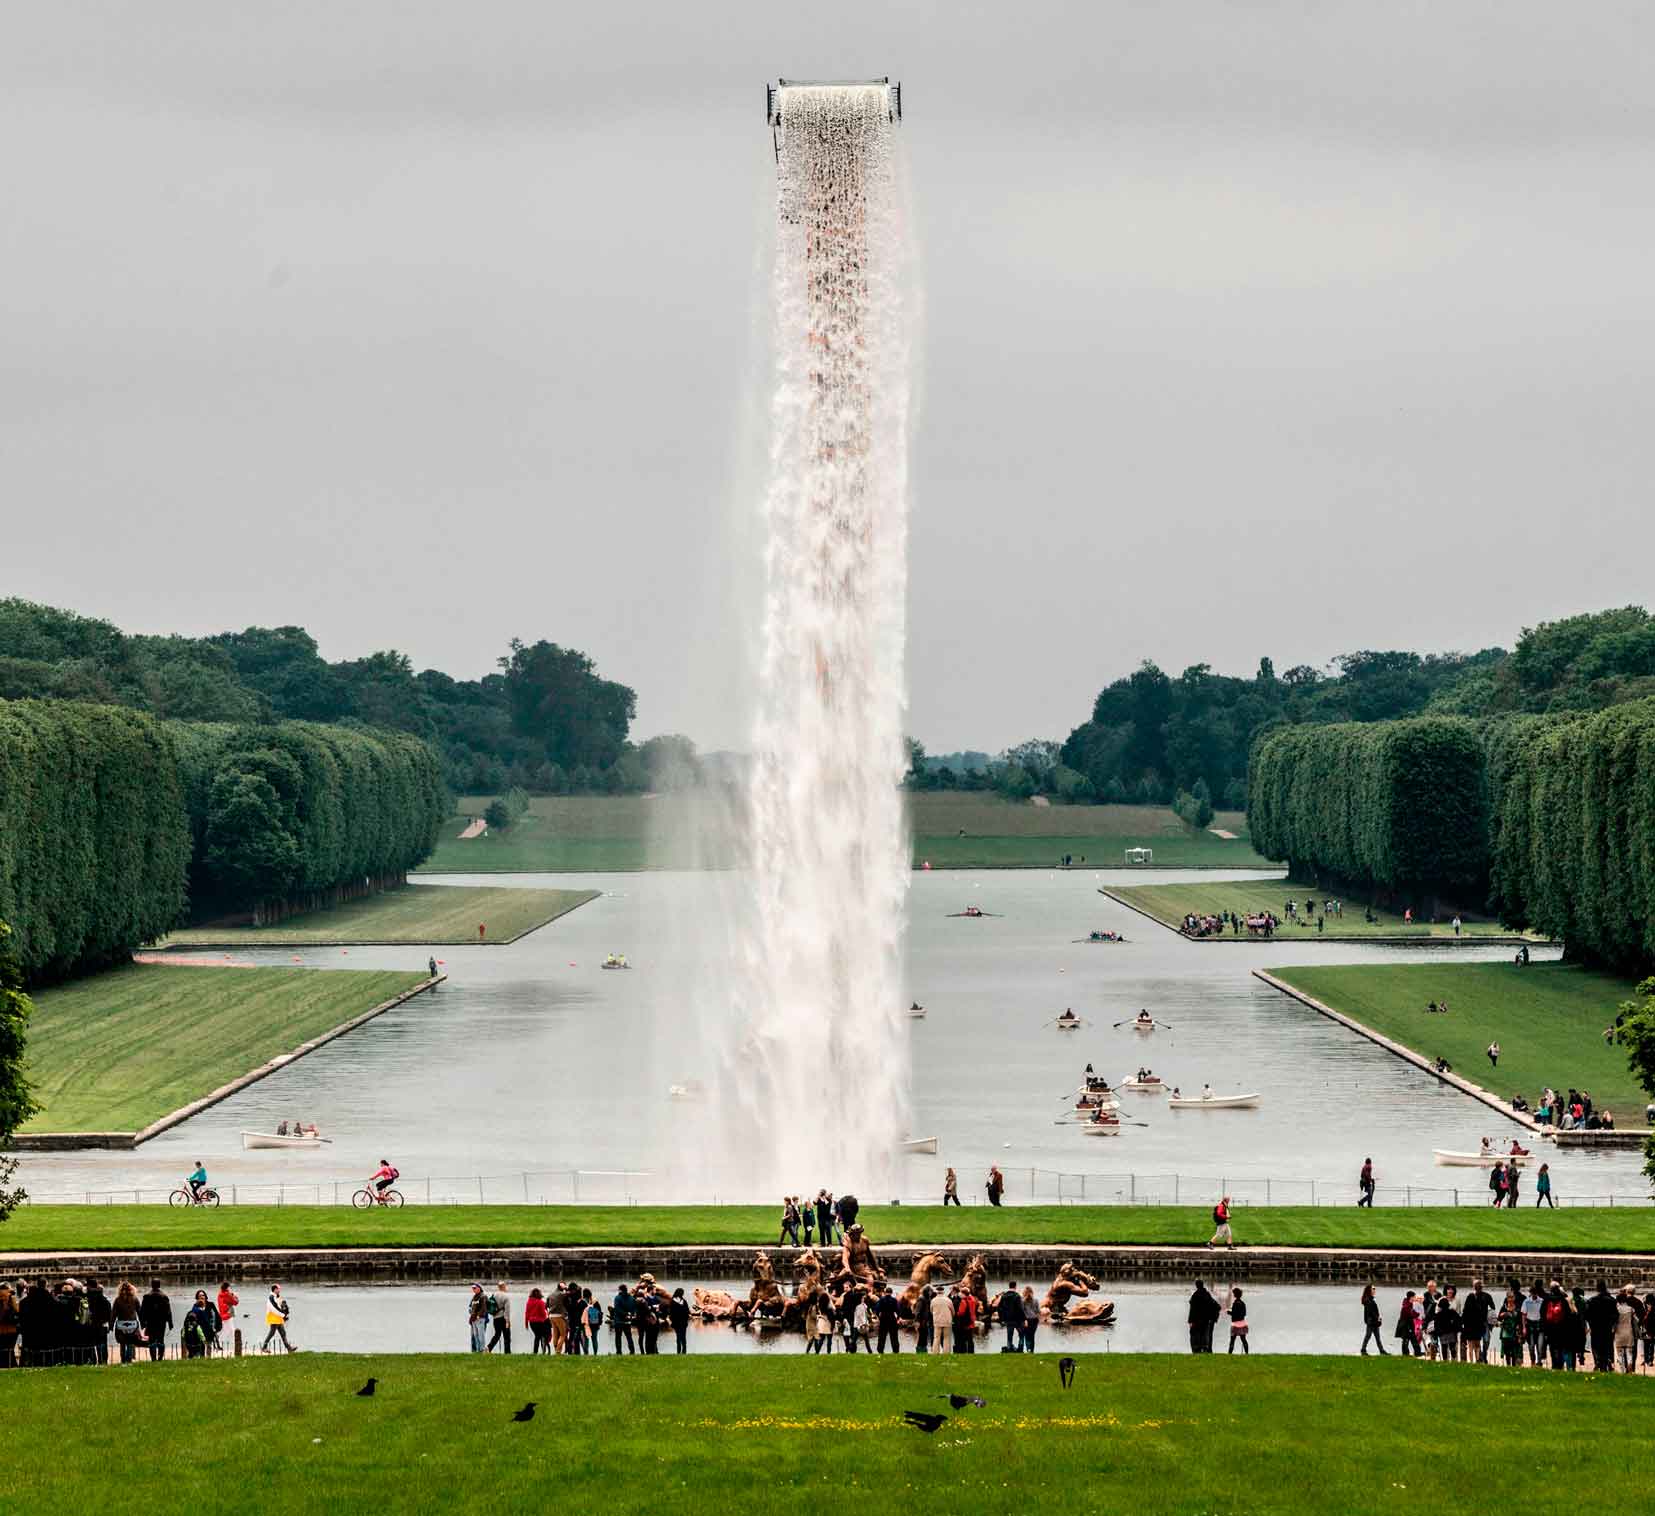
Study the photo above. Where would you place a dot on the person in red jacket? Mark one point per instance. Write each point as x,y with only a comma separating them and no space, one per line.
538,1321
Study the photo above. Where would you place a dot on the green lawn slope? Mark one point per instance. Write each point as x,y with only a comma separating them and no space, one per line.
1148,1434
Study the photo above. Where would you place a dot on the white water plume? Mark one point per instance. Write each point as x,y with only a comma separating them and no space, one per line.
815,1087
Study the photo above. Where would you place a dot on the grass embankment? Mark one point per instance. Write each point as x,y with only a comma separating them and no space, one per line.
624,833
68,1228
1170,903
416,914
117,1051
1548,1019
1152,1433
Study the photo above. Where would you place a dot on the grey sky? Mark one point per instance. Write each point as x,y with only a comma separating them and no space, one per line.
1278,329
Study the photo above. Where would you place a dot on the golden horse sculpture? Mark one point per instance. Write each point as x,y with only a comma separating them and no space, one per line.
1065,1300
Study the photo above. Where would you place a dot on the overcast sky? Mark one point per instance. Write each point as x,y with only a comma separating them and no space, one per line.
1267,329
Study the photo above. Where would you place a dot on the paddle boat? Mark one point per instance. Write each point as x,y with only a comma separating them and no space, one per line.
615,961
1206,1100
306,1138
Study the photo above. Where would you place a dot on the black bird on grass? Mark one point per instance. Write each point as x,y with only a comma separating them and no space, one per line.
368,1388
960,1402
527,1413
1066,1371
926,1421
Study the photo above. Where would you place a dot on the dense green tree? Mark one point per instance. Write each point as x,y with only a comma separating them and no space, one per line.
16,1104
557,698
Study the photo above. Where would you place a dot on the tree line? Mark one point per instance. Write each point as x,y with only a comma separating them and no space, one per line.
546,721
115,827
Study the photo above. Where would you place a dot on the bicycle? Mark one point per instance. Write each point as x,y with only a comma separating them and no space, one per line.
186,1196
368,1197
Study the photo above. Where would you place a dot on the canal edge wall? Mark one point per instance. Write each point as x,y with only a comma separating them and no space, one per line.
61,1142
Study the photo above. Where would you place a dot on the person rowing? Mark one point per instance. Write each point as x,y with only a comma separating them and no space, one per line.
1068,1014
1145,1019
1101,1117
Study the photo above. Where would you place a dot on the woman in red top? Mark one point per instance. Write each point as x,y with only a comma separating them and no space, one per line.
228,1300
538,1320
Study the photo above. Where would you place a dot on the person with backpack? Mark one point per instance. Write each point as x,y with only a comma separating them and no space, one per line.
155,1316
592,1313
276,1311
201,1327
1221,1221
1555,1321
499,1315
1511,1326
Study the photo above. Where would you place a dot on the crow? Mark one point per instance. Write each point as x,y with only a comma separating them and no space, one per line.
1066,1371
527,1413
368,1388
960,1402
924,1420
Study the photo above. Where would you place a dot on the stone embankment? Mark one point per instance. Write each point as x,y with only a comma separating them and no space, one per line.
1356,1266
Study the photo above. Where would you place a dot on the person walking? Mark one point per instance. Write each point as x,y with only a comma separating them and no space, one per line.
1031,1318
477,1318
276,1312
1221,1223
1008,1305
1370,1321
1511,1186
227,1302
1493,1051
1543,1188
499,1315
1497,1183
678,1315
1365,1183
996,1184
790,1221
155,1315
1238,1321
621,1311
950,1188
885,1308
1602,1318
942,1323
1407,1325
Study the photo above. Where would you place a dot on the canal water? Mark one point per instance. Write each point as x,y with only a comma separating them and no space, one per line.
533,1075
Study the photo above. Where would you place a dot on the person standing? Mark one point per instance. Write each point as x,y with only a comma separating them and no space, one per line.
227,1302
807,1219
950,1188
155,1315
1009,1307
1476,1311
1626,1330
201,1327
99,1315
1031,1318
942,1323
1511,1186
826,1321
537,1323
499,1315
1602,1317
678,1314
1445,1326
648,1305
574,1312
1238,1321
477,1318
1407,1325
620,1319
1370,1321
129,1330
1203,1313
862,1323
1510,1323
996,1184
790,1221
967,1310
887,1311
276,1312
9,1327
813,1329
1497,1183
824,1217
1365,1183
1534,1334
1221,1223
592,1315
1543,1188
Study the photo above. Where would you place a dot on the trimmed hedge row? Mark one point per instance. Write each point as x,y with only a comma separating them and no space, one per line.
93,839
1573,832
1401,805
111,822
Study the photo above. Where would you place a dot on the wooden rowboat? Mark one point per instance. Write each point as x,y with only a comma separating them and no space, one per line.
1213,1102
271,1140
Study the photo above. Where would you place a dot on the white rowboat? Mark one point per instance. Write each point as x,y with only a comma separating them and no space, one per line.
271,1140
1213,1102
1148,1086
1067,1026
1143,1026
918,1145
1478,1160
917,1012
1101,1128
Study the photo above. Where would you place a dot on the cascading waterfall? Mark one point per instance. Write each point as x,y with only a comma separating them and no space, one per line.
817,1089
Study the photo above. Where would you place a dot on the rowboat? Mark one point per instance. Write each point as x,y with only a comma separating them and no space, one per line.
1155,1086
917,1012
615,961
1213,1102
918,1145
271,1140
1101,1128
1478,1160
1143,1026
1066,1024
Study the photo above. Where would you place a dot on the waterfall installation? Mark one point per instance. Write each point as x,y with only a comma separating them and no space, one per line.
818,1085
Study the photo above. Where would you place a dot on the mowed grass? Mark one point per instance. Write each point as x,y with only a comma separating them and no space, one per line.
68,1228
414,914
624,833
117,1051
1145,1433
1548,1019
1170,903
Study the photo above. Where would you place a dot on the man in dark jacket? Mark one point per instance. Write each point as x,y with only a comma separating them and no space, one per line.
37,1326
1602,1314
100,1316
1008,1306
886,1309
1204,1314
621,1313
155,1316
1476,1310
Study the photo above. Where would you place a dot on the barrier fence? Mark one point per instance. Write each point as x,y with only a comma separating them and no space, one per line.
1028,1186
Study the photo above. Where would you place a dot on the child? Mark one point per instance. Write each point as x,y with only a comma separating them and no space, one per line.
1238,1321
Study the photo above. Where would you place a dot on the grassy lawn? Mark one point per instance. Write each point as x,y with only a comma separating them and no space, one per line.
62,1228
1149,1433
1172,902
1548,1019
415,914
119,1050
621,833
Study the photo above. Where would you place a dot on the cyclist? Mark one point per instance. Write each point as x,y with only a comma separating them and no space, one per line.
383,1178
198,1181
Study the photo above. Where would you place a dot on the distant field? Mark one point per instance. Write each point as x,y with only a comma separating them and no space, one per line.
416,914
1172,902
622,833
117,1051
1548,1019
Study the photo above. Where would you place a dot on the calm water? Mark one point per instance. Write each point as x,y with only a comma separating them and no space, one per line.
531,1064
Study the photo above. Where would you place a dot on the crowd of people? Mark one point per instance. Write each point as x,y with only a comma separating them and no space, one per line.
567,1318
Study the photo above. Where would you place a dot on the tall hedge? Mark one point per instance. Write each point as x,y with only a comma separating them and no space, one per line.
93,840
1401,806
1574,843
